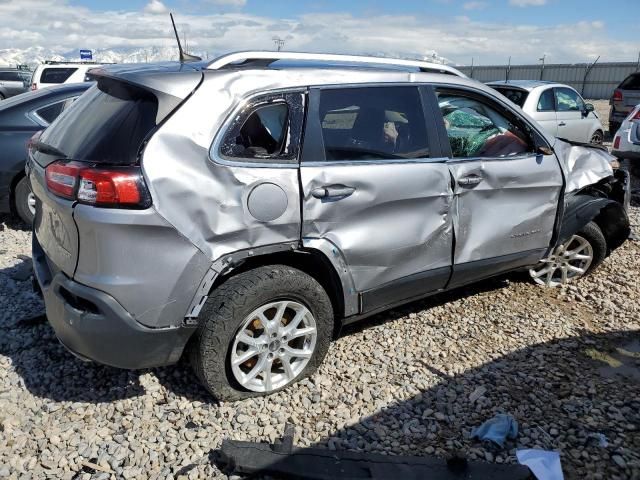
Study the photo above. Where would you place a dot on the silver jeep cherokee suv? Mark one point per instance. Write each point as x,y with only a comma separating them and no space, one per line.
242,211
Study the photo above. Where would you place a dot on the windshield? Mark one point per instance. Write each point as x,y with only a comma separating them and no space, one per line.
106,125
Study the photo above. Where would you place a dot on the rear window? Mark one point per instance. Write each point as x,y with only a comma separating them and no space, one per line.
56,75
516,95
106,125
632,82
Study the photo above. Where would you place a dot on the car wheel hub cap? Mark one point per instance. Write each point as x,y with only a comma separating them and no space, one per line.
31,203
568,261
273,346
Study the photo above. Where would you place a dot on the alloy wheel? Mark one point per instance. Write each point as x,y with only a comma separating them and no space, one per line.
568,261
597,138
31,203
273,346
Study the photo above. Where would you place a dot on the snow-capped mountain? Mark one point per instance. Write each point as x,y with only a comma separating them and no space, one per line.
35,55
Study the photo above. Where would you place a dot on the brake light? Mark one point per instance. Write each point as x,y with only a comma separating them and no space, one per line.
636,116
617,95
34,86
616,142
122,187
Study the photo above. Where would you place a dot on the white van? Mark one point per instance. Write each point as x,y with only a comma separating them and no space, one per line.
52,73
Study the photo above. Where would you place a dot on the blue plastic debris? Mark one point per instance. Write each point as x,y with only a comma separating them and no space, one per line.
497,429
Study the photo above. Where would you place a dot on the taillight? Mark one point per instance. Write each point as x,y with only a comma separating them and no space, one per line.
34,86
636,116
617,96
122,187
616,142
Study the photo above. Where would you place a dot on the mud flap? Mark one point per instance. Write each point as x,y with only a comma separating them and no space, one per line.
282,460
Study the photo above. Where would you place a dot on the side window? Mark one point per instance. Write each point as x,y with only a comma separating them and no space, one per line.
546,103
373,123
476,129
50,112
266,129
568,100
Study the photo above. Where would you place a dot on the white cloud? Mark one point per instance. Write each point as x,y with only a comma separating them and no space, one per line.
527,3
474,5
155,6
228,3
61,27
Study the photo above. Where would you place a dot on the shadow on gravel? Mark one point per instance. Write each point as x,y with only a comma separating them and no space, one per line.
564,394
44,366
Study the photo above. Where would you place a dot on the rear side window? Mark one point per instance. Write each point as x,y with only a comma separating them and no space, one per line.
56,75
10,77
632,82
107,124
547,102
568,100
516,95
50,112
373,123
267,129
476,129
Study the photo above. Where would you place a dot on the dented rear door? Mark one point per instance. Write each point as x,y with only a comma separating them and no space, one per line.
376,188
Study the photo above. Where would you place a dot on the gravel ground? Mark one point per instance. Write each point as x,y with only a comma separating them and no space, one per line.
414,385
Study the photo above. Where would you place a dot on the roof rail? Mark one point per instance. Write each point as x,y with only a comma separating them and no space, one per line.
90,62
261,58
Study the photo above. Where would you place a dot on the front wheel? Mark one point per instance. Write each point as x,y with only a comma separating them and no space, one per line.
25,201
572,259
262,331
597,137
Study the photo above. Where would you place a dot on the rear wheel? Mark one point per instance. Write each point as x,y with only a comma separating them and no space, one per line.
262,331
597,137
25,201
572,259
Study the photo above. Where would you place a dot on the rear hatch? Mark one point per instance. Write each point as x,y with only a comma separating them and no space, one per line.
101,133
630,89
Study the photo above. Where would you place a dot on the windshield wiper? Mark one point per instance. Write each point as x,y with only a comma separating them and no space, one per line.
48,149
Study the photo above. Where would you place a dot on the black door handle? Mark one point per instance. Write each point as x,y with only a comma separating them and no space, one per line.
332,191
469,180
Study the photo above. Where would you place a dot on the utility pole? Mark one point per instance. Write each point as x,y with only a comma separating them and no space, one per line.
542,69
279,43
471,68
508,68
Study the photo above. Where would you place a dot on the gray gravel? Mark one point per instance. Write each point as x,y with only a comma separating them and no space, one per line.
417,384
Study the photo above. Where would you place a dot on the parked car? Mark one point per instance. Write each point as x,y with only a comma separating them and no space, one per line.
244,210
13,81
626,143
560,110
20,118
623,100
53,73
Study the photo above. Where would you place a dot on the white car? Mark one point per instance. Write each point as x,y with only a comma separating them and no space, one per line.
53,73
558,108
626,143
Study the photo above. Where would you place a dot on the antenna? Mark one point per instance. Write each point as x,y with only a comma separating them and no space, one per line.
184,57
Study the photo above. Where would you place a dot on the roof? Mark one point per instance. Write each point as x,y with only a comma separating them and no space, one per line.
523,84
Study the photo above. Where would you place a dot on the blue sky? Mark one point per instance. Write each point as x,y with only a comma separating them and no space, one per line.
489,31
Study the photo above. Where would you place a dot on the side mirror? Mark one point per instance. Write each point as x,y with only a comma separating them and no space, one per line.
544,150
588,108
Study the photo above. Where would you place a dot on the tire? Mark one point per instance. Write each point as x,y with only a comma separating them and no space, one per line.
232,305
22,200
556,269
597,137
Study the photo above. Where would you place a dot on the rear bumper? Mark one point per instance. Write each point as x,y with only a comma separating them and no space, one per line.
94,326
